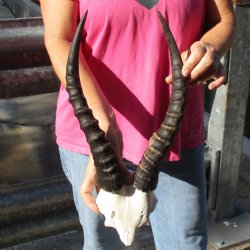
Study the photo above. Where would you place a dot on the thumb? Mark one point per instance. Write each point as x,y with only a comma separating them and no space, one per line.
184,56
169,79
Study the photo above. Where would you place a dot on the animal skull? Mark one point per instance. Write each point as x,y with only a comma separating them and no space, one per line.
126,207
127,210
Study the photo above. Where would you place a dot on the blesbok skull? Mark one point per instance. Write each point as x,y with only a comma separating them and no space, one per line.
126,207
126,210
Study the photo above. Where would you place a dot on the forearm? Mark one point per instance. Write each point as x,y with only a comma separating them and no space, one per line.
220,25
58,50
220,37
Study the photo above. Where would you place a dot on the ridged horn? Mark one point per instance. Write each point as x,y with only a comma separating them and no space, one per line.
109,176
146,177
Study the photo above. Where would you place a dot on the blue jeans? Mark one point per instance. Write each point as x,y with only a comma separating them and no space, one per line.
180,219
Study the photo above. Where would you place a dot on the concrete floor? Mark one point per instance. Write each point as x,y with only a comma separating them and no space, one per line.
73,241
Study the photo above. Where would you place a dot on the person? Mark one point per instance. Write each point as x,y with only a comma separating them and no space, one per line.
124,64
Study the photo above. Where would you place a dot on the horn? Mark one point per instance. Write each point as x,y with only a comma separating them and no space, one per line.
146,177
108,172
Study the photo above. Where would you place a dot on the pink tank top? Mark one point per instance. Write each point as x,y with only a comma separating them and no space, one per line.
128,54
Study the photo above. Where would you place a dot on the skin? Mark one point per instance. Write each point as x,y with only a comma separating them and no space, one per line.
201,62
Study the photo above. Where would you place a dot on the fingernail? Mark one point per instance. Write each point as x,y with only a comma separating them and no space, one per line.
167,80
210,86
185,72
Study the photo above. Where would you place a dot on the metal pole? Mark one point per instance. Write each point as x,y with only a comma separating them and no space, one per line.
22,44
225,137
226,125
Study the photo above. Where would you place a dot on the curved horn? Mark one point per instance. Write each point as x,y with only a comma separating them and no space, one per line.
146,177
109,176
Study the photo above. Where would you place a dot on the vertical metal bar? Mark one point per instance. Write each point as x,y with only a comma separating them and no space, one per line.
213,180
227,118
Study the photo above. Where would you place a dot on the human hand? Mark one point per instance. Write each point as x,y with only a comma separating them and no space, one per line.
201,63
89,182
88,185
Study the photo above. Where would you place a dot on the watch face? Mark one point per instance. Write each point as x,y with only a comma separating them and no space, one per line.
148,3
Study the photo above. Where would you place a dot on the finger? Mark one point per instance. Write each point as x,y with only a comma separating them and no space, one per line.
216,83
184,56
169,79
86,194
88,186
197,52
90,203
215,72
209,66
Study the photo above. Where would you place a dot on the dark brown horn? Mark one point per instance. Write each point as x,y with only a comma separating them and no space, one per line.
109,176
146,177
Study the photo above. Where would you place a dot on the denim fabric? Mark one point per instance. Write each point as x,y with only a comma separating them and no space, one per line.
96,235
179,220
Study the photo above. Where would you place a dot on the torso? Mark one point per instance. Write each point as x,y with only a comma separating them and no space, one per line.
127,52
